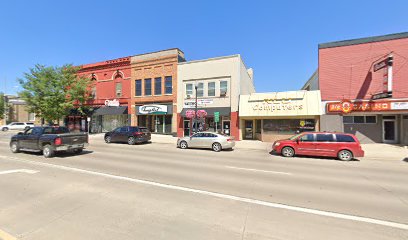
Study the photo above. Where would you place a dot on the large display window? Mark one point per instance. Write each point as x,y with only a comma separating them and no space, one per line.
289,126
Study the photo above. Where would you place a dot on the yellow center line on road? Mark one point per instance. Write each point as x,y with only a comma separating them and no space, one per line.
6,236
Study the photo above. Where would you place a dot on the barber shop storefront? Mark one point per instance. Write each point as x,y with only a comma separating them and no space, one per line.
272,116
156,117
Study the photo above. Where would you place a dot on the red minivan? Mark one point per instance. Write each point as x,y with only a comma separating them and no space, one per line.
326,144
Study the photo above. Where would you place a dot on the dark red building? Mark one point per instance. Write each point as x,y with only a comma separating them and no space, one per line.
110,105
364,87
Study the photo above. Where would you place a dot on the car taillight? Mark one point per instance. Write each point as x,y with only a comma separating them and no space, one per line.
229,139
58,141
137,134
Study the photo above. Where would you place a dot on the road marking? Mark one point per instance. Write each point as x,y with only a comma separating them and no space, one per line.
6,236
18,171
220,195
258,170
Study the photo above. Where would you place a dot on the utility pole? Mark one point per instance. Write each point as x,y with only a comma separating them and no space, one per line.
196,107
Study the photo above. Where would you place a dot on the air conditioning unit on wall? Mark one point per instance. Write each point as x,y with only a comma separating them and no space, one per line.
188,96
223,94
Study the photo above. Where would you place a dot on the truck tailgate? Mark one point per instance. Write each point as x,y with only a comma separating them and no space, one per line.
73,138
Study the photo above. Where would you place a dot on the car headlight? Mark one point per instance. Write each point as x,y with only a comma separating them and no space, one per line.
277,144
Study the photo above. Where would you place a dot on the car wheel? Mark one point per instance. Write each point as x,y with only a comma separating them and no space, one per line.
345,155
288,152
108,139
5,129
183,145
216,147
48,152
131,141
14,147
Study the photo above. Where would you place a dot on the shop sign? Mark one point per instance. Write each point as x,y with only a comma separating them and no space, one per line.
348,106
112,103
380,65
200,103
272,106
153,109
399,105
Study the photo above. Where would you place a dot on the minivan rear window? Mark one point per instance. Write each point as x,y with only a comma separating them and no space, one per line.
344,138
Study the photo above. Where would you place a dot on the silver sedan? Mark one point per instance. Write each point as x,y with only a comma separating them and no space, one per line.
214,141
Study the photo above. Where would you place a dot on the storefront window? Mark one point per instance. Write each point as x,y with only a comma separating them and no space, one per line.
258,126
110,122
288,126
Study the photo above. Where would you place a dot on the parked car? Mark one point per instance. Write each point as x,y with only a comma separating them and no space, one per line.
129,134
341,145
214,141
17,126
48,140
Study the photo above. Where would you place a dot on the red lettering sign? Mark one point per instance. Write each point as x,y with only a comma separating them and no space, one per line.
347,106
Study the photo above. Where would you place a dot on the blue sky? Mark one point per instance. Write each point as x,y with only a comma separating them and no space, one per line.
278,39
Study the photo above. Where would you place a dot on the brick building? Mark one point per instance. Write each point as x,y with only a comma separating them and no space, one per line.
364,87
154,90
111,96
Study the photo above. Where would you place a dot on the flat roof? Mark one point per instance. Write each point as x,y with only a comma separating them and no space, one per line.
356,41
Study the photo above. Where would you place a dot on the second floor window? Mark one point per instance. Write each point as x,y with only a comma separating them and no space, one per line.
211,89
148,87
168,85
118,89
189,90
158,86
223,88
138,87
200,89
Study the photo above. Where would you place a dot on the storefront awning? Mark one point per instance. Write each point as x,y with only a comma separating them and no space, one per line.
224,111
111,110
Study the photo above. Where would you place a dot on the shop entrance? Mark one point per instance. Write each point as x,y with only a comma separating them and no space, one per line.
249,134
226,127
389,129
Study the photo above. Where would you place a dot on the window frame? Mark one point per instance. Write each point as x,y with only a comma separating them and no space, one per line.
158,85
325,134
211,89
187,90
168,79
145,87
200,89
365,119
120,90
226,87
138,89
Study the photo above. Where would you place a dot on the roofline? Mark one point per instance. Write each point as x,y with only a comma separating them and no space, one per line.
158,51
356,41
310,78
210,59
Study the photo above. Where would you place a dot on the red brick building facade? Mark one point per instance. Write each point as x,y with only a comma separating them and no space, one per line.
364,87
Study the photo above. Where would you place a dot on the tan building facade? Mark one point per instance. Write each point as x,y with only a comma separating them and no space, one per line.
154,90
272,116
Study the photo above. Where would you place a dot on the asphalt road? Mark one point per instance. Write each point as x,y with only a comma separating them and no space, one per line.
156,191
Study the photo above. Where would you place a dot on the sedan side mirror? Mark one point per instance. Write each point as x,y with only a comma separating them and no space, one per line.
297,140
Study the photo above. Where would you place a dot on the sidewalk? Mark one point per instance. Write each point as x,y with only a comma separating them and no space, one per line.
168,139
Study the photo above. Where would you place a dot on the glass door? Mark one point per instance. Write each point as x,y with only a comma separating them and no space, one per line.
249,129
389,131
186,128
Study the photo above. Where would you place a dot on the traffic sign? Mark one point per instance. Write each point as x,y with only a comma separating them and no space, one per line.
216,116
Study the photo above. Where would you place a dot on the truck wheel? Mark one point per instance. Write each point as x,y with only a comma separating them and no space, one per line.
14,147
78,150
48,152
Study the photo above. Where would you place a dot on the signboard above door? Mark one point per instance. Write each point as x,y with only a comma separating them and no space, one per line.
153,109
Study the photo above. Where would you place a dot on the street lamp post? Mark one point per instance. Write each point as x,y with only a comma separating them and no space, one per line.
196,107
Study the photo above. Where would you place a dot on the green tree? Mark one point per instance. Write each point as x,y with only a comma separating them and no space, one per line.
2,105
51,92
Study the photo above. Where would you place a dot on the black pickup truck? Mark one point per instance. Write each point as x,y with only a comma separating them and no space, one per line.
49,140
